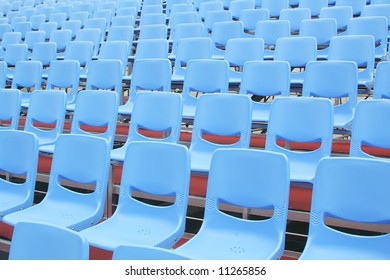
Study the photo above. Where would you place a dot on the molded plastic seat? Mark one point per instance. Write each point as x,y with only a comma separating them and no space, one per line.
36,21
3,74
14,54
65,74
78,158
23,28
19,156
250,17
270,31
73,25
237,6
295,17
215,16
121,33
59,18
82,51
155,18
302,120
184,30
357,5
357,48
232,116
182,17
275,6
151,48
381,82
123,21
81,16
223,236
265,78
33,37
240,50
45,52
99,23
323,29
10,105
94,109
38,114
358,194
153,31
139,223
148,74
90,35
378,10
145,253
314,6
61,38
167,122
298,51
203,76
334,79
115,50
342,15
42,241
209,6
369,131
221,33
9,38
48,27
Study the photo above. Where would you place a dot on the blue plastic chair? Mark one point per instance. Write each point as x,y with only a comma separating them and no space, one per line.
153,31
263,79
27,74
295,17
298,51
323,29
9,38
182,17
270,31
148,74
215,16
145,253
99,23
81,16
82,51
10,107
358,194
375,26
203,76
208,6
155,18
302,120
61,38
19,156
250,17
94,109
334,79
240,50
275,6
368,129
237,6
3,74
40,100
45,52
84,7
342,15
232,116
77,158
144,116
90,35
357,5
43,241
314,6
127,11
65,74
115,50
221,33
59,18
223,236
121,33
33,37
151,48
23,28
48,27
123,21
184,30
357,48
104,13
73,25
381,82
36,21
139,223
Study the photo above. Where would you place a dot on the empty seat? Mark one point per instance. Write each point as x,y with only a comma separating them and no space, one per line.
221,33
381,82
342,15
275,6
10,105
28,75
314,6
357,5
145,253
295,17
270,31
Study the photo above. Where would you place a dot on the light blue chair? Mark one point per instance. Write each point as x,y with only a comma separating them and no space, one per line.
95,114
33,37
3,74
323,29
184,30
145,253
121,33
297,51
295,17
79,15
357,5
250,17
334,80
223,236
275,6
73,25
23,28
9,38
61,38
377,27
237,6
314,6
203,76
140,223
208,6
357,48
263,79
240,50
115,50
36,21
82,51
342,15
154,18
358,194
151,48
231,116
159,112
99,23
153,31
45,52
215,16
301,120
43,241
369,130
221,33
37,112
187,49
77,158
270,31
59,18
182,17
123,21
90,35
19,156
378,10
381,82
48,27
10,107
148,74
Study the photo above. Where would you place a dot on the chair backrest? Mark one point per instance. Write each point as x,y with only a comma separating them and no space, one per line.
18,156
381,82
36,21
314,6
61,38
64,74
240,50
48,27
152,48
208,6
156,111
99,23
115,50
298,51
91,35
155,18
357,5
96,109
215,16
73,25
37,241
185,30
15,53
150,74
83,159
358,194
367,128
232,116
81,16
250,17
11,38
81,51
44,52
33,37
145,253
301,120
377,10
10,102
123,21
121,33
323,29
23,28
295,17
182,17
153,31
38,114
237,6
275,6
126,11
3,74
59,18
28,74
342,15
105,74
271,30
